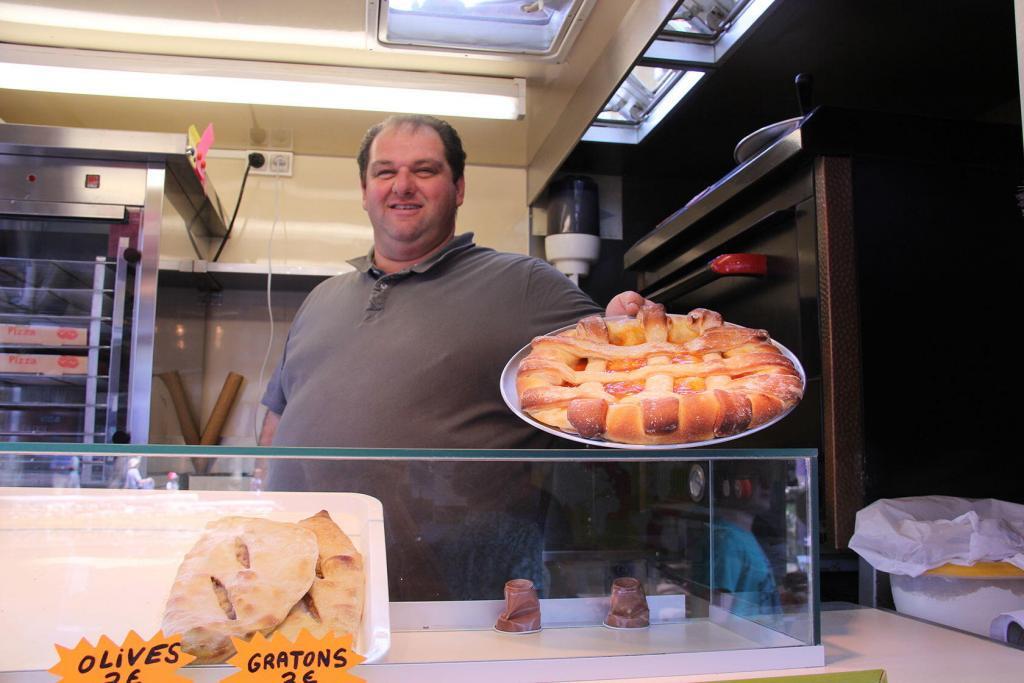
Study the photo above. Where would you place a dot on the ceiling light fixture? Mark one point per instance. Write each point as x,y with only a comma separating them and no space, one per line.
172,27
84,72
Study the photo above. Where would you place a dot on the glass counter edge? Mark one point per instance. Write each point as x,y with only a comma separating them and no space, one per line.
572,455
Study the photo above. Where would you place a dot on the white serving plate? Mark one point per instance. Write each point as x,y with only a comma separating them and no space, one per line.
511,396
82,563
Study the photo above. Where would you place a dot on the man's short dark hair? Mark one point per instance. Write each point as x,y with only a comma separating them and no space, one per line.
453,152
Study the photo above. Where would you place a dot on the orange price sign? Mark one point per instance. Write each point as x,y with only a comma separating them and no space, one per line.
156,660
307,660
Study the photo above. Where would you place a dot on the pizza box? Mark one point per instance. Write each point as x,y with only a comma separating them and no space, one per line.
43,335
83,563
42,364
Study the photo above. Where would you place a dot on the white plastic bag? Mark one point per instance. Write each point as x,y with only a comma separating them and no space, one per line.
912,535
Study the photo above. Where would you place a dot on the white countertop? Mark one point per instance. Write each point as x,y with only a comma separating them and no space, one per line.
910,651
855,639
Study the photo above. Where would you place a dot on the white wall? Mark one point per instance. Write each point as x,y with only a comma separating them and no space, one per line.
320,219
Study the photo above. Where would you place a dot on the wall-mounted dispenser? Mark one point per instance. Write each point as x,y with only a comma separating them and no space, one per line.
573,237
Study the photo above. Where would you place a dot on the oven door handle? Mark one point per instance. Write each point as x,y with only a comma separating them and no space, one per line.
725,265
739,264
102,212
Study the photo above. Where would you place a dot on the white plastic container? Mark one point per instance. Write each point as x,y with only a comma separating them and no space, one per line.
967,598
83,563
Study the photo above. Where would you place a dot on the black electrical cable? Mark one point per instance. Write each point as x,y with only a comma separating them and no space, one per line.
255,160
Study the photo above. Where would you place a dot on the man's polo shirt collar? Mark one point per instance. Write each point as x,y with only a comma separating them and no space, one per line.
460,243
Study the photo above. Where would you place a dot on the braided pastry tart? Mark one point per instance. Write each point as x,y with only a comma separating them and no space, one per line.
657,378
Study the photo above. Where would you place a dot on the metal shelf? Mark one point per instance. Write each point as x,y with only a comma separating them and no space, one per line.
58,290
57,262
64,350
33,405
57,318
51,380
44,439
43,432
291,277
60,301
31,272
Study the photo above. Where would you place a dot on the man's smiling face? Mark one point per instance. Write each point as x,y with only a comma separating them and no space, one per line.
409,193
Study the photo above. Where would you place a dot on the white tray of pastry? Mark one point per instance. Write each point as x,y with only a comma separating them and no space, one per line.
82,563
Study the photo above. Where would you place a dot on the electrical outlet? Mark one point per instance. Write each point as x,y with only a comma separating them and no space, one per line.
278,163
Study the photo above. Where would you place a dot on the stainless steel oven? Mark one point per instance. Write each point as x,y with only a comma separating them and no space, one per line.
81,213
851,238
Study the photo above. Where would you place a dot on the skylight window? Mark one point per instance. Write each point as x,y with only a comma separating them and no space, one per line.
643,88
695,39
629,118
703,18
539,28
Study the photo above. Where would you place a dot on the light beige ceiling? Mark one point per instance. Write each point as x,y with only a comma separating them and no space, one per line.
323,32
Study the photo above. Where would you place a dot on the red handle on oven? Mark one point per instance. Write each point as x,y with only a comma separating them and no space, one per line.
739,264
720,266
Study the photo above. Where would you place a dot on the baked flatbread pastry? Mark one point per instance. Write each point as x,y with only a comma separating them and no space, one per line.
657,378
242,576
335,600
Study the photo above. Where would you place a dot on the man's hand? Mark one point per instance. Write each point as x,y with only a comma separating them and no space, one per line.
270,421
626,303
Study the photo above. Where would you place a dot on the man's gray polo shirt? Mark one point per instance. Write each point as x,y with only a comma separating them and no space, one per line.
413,359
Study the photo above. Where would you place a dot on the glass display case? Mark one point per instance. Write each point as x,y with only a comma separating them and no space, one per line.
721,543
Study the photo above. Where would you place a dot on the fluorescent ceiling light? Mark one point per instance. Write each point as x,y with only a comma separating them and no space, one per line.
88,20
115,74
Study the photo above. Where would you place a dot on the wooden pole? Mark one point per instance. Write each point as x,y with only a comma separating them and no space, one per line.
221,409
172,380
